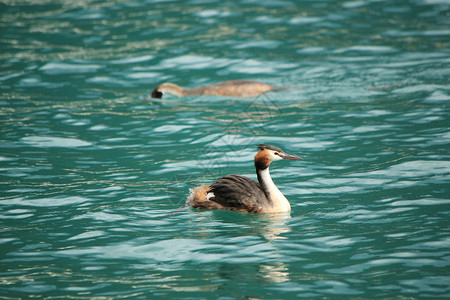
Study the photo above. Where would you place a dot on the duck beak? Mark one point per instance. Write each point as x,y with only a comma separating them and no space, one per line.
156,94
292,157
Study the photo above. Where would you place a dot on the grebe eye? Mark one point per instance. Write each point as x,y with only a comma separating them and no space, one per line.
276,153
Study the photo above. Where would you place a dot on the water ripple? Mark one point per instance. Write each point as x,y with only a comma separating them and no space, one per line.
91,166
48,141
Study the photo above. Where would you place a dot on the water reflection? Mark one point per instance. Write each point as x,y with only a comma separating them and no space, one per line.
270,226
262,273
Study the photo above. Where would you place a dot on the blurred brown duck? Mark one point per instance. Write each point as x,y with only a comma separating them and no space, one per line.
232,88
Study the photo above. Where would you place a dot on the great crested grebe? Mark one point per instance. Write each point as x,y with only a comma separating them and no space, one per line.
239,193
232,88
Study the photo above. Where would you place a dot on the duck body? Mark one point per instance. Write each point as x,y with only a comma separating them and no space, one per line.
239,193
233,192
232,88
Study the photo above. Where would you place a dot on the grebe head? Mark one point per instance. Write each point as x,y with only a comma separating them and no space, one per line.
268,154
156,94
168,87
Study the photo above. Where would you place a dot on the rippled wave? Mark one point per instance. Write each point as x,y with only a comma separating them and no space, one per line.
91,167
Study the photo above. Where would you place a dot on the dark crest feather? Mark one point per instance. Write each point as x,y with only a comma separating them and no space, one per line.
269,147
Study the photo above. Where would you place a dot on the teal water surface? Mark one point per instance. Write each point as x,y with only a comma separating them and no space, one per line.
90,166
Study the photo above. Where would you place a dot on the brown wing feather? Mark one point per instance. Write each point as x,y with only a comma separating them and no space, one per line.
233,88
239,193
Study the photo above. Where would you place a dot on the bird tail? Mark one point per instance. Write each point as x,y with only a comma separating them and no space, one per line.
196,195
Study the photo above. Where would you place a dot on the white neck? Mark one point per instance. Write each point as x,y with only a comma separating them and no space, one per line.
172,88
279,201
